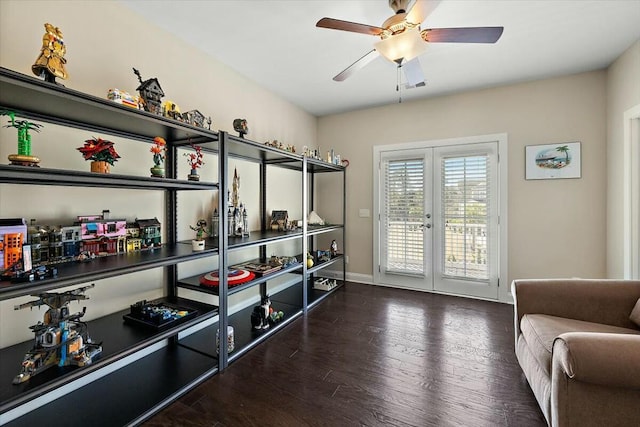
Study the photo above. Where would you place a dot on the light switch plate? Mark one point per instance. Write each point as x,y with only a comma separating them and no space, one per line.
364,213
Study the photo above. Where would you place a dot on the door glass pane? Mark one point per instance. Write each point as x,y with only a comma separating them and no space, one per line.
465,195
403,216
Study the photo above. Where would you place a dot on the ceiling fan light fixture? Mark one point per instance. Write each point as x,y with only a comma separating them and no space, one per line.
406,45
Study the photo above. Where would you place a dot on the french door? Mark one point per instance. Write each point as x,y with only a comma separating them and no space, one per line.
437,227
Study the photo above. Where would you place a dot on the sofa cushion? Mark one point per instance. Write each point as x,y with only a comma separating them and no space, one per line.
539,331
635,313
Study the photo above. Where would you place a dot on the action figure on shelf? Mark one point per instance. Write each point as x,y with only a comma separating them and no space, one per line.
240,126
61,339
24,157
260,314
334,248
50,62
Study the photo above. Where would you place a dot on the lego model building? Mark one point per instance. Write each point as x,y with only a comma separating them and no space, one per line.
13,234
61,339
237,221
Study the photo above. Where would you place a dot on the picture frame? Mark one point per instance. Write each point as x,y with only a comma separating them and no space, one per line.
553,161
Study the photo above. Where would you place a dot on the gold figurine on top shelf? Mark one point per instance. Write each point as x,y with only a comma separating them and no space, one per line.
50,62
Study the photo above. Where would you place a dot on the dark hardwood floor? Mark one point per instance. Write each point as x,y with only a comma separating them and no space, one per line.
373,356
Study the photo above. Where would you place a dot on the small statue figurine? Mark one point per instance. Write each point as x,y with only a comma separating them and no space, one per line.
50,62
260,314
334,248
240,126
24,157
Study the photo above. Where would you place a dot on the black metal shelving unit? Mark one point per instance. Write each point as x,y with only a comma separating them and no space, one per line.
170,364
122,343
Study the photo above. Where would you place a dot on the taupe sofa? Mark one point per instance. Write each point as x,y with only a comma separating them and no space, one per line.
579,350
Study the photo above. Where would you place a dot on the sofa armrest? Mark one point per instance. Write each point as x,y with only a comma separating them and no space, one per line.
605,359
600,301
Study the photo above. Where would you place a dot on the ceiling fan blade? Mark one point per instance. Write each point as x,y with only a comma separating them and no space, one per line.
420,10
336,24
462,35
413,73
360,63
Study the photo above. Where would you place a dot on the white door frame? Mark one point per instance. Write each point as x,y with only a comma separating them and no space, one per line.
631,189
504,294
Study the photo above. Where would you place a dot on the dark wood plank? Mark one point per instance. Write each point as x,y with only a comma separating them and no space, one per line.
373,356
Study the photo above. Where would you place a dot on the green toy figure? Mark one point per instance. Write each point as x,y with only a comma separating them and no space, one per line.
24,157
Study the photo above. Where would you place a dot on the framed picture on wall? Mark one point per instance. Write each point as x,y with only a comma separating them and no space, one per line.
553,161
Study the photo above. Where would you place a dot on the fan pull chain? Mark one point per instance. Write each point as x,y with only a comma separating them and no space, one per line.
398,85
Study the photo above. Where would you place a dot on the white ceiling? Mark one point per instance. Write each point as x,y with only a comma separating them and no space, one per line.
276,44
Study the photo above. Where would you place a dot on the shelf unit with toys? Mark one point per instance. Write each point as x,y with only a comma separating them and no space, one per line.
152,359
292,298
167,363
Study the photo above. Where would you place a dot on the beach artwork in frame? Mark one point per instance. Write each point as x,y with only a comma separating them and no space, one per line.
553,161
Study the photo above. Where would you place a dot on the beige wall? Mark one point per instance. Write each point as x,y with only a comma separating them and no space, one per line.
104,41
556,227
623,92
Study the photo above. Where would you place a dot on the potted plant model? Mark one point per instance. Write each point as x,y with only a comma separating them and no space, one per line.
101,153
201,230
195,161
158,149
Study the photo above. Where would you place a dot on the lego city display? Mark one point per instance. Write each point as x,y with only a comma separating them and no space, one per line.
151,94
195,161
50,62
240,126
158,149
201,230
89,237
157,315
61,339
24,157
101,153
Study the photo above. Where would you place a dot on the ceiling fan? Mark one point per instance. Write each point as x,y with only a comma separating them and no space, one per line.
402,40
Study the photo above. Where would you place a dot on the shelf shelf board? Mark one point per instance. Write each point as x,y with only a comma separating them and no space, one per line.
39,100
324,264
143,387
256,238
315,296
193,282
319,229
319,166
71,273
288,301
45,176
118,339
